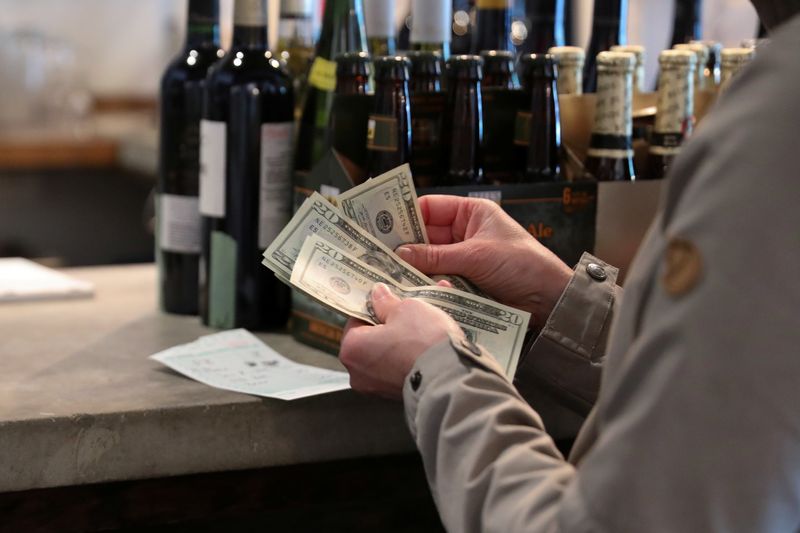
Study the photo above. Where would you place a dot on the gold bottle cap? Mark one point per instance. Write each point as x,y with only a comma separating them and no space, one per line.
677,58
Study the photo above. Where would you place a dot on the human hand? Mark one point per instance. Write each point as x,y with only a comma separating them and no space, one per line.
476,239
380,357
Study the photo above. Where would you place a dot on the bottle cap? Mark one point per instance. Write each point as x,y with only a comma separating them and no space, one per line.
498,61
677,58
635,49
538,65
352,64
465,67
391,67
616,61
425,63
298,8
379,18
700,50
568,55
737,56
431,21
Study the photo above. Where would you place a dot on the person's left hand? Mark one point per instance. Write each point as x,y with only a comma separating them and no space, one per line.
380,357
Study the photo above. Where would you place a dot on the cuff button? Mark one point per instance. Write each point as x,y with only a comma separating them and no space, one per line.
416,380
596,272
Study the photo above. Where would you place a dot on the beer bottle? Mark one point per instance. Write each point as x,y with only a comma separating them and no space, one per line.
381,32
544,134
389,125
296,42
430,26
427,105
352,73
609,27
711,70
638,71
348,119
700,52
733,60
675,111
465,120
498,69
687,21
342,31
545,24
570,61
492,26
610,154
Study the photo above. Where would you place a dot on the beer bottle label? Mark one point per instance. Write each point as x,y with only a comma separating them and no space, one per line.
323,74
382,133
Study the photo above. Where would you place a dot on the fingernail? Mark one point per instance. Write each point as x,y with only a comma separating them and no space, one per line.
379,291
404,252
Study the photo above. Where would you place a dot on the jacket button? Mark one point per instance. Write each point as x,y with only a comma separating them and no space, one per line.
596,272
416,380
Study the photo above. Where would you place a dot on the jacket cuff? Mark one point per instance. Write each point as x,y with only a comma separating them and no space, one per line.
567,356
445,361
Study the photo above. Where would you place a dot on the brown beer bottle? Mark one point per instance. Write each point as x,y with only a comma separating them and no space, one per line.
570,61
610,154
426,71
544,133
675,112
352,73
498,70
389,125
427,106
465,120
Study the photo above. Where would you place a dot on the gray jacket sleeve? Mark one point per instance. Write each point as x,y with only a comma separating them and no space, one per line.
565,360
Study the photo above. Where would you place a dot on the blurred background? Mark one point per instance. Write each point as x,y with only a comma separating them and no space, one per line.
78,102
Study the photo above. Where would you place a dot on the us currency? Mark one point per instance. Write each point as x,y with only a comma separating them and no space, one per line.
387,208
317,216
343,282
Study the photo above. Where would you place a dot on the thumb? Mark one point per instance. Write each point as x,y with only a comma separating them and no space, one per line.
382,302
435,258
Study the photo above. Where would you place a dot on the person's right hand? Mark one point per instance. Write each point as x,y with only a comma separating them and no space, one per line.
476,239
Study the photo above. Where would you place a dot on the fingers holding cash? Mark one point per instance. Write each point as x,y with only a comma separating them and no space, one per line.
345,260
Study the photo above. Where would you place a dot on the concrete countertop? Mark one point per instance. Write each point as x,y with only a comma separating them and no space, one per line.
81,403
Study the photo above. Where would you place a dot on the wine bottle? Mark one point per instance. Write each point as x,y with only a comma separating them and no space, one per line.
342,31
610,154
381,32
389,125
498,70
544,134
638,52
178,224
675,110
700,52
734,60
296,41
711,72
246,140
430,26
492,26
609,27
545,23
686,24
570,61
465,120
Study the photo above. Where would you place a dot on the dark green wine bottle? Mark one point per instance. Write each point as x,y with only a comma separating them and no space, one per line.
609,27
545,23
342,31
430,26
245,185
379,22
178,233
389,126
492,26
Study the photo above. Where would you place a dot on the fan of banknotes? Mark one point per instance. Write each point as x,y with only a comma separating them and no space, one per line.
336,253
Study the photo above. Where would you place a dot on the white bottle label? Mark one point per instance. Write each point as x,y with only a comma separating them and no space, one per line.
276,180
431,21
213,139
379,18
179,224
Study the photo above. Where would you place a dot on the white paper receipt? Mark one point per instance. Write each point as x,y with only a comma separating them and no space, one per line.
237,360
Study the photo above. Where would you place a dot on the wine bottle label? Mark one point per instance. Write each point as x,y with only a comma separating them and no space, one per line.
494,4
222,281
379,18
614,111
323,74
250,13
382,133
431,21
297,8
570,79
522,129
276,180
179,223
674,116
213,139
